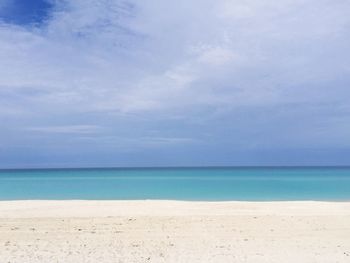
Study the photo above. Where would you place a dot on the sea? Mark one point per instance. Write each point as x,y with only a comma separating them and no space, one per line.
195,184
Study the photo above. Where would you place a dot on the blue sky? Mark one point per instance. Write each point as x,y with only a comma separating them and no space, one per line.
167,83
24,13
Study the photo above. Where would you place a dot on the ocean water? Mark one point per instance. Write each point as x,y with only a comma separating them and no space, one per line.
213,184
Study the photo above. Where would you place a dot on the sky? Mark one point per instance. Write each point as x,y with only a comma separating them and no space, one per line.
91,83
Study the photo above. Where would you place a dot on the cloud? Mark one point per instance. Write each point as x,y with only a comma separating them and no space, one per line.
216,56
118,56
229,73
71,129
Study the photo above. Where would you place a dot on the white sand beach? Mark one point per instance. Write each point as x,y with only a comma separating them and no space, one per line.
174,231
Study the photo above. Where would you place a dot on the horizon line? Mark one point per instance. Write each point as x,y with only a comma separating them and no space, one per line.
173,167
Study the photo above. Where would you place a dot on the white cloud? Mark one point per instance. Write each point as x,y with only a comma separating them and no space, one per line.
70,129
216,56
131,56
159,59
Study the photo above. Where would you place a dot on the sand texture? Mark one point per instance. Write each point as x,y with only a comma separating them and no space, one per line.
172,231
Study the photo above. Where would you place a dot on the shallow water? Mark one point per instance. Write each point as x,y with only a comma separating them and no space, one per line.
251,184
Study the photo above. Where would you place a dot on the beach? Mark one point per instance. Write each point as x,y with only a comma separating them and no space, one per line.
174,231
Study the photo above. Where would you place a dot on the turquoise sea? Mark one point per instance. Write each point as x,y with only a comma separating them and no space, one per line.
238,183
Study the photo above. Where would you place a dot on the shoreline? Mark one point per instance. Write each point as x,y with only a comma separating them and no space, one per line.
110,208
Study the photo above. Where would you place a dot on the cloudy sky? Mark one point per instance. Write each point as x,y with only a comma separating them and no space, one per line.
167,83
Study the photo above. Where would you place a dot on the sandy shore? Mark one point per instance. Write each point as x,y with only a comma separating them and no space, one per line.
171,231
